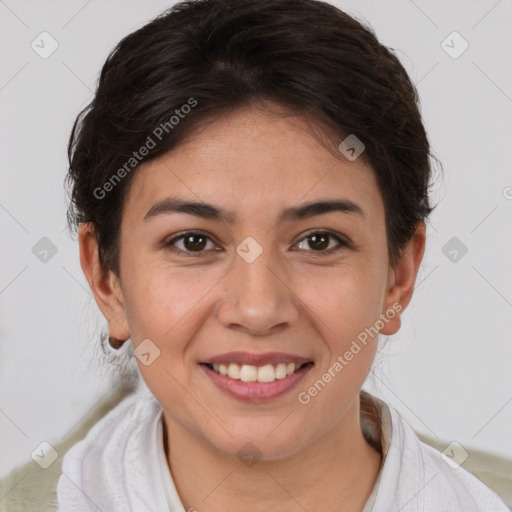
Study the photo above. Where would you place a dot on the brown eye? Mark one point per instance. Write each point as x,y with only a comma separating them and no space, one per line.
194,242
319,241
190,242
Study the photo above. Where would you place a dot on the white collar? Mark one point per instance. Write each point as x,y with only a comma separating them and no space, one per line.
115,467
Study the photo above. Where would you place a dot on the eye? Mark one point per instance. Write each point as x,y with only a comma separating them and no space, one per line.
191,242
195,243
319,242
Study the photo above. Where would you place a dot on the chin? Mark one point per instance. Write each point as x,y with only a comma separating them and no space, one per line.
255,441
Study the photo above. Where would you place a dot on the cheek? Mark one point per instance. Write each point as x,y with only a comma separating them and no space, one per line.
345,308
163,303
345,301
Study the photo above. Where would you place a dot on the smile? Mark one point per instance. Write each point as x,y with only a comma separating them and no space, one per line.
251,373
256,377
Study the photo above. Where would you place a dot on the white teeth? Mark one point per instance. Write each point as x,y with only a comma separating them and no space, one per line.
266,373
281,371
234,371
250,373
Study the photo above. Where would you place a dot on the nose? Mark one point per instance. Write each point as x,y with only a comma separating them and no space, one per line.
257,299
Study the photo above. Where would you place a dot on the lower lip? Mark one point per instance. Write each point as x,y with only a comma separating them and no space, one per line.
256,391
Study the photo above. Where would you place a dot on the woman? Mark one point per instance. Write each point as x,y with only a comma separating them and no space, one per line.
250,189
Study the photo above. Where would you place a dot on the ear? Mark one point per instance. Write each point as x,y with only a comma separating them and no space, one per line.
402,278
104,284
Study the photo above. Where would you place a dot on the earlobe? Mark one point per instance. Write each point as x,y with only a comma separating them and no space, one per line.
402,279
103,283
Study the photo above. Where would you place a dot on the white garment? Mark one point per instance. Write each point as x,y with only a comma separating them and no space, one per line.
120,466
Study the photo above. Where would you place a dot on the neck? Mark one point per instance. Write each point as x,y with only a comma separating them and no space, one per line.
340,468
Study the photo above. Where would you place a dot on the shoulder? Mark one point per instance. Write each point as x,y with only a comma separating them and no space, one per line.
482,477
30,488
446,474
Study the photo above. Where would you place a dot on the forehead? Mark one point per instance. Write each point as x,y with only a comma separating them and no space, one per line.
253,161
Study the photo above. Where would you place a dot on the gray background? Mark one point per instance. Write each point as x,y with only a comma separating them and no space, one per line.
448,370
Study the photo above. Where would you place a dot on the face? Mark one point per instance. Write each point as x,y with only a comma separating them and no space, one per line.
255,284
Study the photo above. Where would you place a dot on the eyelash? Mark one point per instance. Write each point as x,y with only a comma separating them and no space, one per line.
194,254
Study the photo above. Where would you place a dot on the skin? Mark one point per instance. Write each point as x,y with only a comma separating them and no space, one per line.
254,162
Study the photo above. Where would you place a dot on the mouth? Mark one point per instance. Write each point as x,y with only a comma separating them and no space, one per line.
256,377
252,373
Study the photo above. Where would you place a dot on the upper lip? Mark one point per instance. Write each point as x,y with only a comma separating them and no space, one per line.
256,359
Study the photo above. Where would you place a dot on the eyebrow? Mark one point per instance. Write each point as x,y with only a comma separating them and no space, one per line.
171,205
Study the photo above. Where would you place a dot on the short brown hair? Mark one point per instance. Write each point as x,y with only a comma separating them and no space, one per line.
306,55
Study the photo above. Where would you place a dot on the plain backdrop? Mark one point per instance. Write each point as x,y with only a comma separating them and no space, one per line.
448,370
